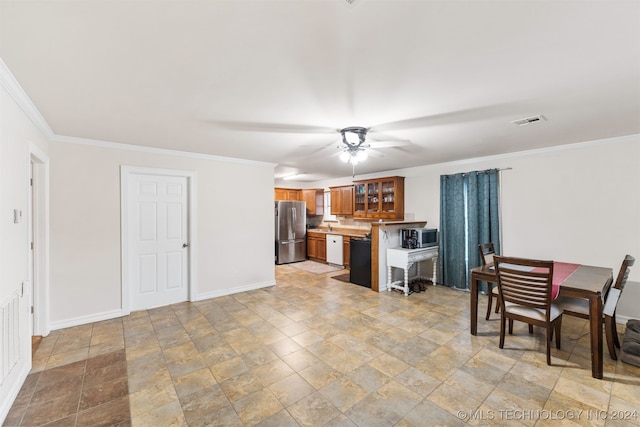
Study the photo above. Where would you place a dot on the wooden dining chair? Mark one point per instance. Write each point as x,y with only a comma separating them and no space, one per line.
487,252
524,286
579,307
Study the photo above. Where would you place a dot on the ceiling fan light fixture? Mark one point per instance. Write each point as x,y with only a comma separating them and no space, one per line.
354,150
362,155
345,156
351,137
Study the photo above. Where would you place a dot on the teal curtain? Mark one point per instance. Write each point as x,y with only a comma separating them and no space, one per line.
469,215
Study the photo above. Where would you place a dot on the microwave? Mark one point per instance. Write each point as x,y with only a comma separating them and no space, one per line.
413,238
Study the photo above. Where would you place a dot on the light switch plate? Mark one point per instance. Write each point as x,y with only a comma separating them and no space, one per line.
17,216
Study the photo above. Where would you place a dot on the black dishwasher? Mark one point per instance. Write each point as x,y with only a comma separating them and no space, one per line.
360,261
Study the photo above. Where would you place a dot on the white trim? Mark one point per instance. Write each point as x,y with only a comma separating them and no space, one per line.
85,320
516,154
622,320
235,290
41,284
155,150
113,314
125,174
552,149
6,404
9,82
11,85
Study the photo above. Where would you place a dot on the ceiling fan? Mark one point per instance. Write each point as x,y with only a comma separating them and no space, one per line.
354,147
351,136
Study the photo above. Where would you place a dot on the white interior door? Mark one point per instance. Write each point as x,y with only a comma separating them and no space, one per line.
158,245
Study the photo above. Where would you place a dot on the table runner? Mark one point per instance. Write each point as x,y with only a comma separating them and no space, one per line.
561,271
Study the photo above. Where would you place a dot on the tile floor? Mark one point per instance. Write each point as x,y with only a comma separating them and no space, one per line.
316,351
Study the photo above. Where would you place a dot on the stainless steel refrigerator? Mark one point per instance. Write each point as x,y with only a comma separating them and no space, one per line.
291,231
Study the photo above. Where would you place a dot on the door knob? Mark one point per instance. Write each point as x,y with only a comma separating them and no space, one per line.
185,245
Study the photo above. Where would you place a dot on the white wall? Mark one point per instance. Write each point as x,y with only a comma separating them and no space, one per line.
577,203
234,211
234,215
17,134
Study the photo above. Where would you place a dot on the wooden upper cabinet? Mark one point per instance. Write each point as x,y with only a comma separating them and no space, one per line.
380,198
314,197
280,194
342,200
287,194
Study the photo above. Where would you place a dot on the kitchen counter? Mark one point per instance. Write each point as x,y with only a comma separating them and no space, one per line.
318,232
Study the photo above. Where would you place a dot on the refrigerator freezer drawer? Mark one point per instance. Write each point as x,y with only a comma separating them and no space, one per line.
291,251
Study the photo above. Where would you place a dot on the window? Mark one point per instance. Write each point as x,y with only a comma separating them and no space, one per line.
327,207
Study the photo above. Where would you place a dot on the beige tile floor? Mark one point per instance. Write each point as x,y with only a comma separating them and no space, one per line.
316,351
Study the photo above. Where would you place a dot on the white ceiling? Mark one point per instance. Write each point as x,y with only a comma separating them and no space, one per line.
273,80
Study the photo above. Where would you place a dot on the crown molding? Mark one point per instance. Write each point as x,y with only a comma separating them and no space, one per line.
13,88
155,150
552,149
11,85
411,171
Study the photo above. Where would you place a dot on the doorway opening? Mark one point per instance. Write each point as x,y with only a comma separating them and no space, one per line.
38,226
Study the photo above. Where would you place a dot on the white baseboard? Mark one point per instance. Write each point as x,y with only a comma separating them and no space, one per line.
83,320
5,405
107,315
231,291
622,320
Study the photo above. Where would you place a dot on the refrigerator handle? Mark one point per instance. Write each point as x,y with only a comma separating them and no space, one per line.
293,223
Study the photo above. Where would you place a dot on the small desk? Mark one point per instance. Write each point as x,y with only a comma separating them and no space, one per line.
586,282
405,258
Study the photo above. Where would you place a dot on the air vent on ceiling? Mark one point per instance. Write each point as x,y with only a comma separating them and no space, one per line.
527,120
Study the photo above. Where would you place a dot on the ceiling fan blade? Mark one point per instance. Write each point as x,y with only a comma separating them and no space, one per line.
451,117
375,153
379,136
372,153
388,144
271,127
328,149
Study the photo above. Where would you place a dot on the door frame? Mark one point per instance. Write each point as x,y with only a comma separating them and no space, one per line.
39,261
126,173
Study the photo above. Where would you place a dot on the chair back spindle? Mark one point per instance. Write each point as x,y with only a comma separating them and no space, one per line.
525,287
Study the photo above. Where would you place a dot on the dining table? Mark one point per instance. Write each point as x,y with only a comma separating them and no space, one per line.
580,281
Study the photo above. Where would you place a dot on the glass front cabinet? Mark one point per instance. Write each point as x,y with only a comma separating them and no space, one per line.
380,198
